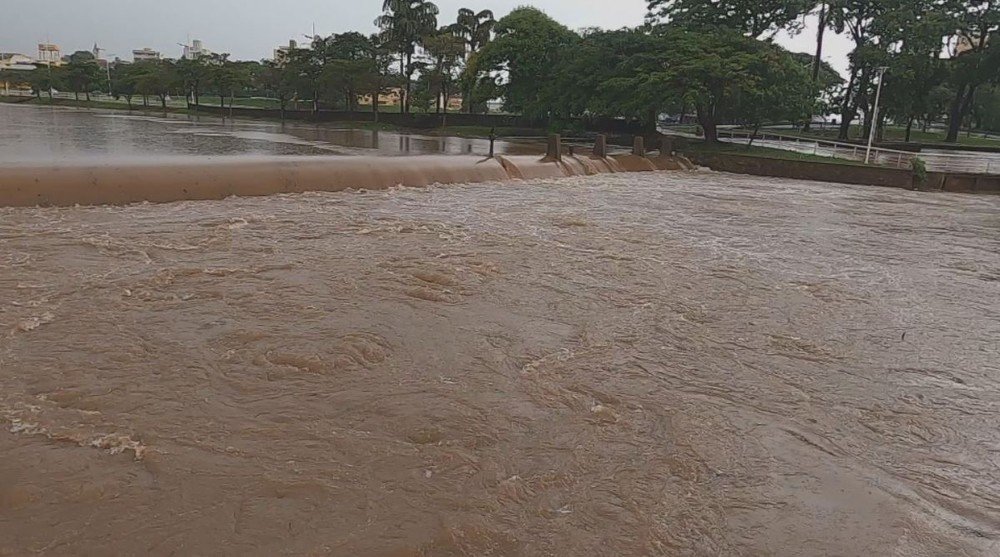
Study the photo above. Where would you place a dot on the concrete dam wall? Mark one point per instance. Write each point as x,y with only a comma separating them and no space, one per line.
199,178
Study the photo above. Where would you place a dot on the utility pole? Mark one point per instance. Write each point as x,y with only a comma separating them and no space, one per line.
875,113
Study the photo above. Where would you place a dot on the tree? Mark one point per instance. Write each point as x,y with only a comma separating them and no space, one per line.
156,78
124,82
224,76
856,18
609,75
528,49
228,77
937,105
347,66
821,25
404,25
194,74
445,51
986,109
276,81
477,31
83,74
304,69
753,18
725,76
380,76
782,91
826,84
44,78
912,32
978,23
17,78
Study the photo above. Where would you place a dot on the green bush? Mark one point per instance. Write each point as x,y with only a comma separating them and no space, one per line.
919,170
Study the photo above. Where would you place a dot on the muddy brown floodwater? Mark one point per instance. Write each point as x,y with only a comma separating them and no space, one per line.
641,364
32,133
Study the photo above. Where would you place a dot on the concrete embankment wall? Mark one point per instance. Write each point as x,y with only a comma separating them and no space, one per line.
848,173
25,185
806,170
962,183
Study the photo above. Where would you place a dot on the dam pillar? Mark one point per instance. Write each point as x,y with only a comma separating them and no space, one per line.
554,149
601,146
639,146
666,146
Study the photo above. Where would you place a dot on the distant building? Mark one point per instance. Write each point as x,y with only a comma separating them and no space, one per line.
49,54
389,97
145,54
195,50
14,60
281,53
968,44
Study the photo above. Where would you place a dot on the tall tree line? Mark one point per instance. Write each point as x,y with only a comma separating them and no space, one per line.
716,59
930,49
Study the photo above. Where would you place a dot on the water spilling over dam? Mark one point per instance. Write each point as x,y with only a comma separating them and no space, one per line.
622,364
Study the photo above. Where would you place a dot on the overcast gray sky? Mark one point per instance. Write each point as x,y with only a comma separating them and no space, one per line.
250,29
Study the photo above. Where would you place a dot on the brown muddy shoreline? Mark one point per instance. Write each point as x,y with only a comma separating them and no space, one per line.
201,178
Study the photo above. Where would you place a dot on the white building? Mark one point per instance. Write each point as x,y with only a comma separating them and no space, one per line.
281,53
14,60
145,54
195,50
49,54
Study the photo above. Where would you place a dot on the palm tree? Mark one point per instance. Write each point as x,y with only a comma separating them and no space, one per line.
404,25
477,31
444,50
818,59
475,28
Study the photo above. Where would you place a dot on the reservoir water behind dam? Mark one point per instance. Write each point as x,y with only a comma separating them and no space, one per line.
41,134
669,363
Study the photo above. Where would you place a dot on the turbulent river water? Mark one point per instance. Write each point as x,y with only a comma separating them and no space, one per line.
632,364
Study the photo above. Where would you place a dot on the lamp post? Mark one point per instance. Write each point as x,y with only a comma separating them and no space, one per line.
875,113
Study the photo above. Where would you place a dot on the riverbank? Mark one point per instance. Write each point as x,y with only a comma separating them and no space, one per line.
462,131
92,104
756,164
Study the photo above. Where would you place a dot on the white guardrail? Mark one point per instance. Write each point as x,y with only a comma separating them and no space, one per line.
940,161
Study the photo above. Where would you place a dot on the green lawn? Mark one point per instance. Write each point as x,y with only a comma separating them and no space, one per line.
154,104
258,102
683,128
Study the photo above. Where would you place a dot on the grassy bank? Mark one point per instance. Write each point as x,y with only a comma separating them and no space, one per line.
154,106
695,147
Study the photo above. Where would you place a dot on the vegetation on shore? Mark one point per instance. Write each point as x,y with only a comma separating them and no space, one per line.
715,62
